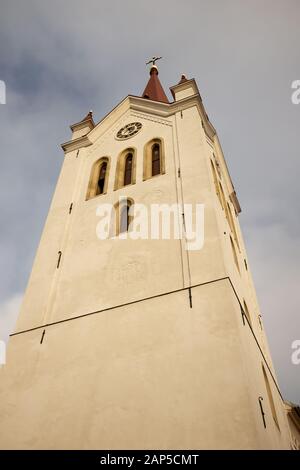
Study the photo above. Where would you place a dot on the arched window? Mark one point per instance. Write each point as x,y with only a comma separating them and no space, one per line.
217,165
123,216
270,396
98,178
155,156
128,169
216,182
232,225
234,254
154,159
101,180
223,201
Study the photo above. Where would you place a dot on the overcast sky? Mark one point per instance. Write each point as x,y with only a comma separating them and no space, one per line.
60,59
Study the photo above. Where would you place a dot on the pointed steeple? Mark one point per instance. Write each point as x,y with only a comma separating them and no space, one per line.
154,90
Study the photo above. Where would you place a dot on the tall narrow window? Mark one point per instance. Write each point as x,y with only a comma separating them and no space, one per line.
124,219
270,396
234,254
232,225
217,188
101,180
223,201
155,159
217,165
123,216
128,169
98,178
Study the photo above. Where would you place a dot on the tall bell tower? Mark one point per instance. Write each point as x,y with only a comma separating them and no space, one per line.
141,343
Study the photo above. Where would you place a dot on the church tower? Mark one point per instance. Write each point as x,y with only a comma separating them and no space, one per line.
129,342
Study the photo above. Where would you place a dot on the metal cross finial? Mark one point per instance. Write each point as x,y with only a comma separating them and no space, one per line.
153,60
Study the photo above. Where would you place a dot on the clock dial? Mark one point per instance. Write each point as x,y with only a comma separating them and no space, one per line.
129,130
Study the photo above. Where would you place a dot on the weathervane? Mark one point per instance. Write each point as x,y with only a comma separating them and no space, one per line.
153,60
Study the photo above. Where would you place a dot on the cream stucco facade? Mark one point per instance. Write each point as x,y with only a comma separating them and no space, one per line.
141,344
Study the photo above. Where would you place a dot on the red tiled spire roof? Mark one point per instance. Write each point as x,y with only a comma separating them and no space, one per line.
154,90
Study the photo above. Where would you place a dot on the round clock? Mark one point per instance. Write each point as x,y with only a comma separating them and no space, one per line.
129,130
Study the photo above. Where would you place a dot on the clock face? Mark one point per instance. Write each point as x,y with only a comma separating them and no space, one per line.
129,130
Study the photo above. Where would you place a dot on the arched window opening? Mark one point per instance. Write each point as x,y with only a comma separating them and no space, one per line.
101,180
216,182
155,159
128,169
123,216
223,201
270,396
234,254
217,165
98,178
124,219
232,225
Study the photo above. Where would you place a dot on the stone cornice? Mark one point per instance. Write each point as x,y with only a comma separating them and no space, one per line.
76,144
82,125
160,109
166,110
